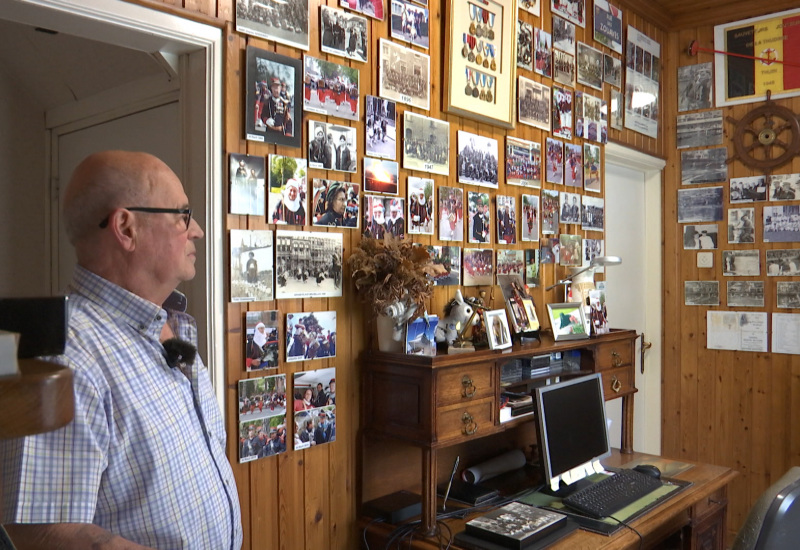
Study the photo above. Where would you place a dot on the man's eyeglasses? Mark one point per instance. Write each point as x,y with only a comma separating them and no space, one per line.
186,212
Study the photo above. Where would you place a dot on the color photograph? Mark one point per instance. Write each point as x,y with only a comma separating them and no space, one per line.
506,220
330,89
343,34
247,183
381,176
272,113
287,190
420,206
447,264
261,344
530,218
479,218
310,335
451,214
523,163
549,212
262,417
410,23
335,203
478,266
314,393
384,215
554,155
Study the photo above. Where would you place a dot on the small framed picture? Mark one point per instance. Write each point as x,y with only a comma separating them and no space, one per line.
497,331
567,321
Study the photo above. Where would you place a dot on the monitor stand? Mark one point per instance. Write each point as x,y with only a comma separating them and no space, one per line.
565,490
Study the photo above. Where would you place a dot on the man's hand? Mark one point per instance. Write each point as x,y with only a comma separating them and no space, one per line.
66,536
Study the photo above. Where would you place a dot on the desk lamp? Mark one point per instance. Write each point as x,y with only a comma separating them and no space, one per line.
582,278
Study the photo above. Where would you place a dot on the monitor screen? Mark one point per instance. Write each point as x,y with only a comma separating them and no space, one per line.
572,430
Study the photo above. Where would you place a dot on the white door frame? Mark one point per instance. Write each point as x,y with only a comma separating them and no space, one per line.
194,51
647,427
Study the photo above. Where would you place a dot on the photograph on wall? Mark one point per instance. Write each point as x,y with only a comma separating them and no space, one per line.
608,25
451,214
570,207
285,23
332,147
592,248
446,264
530,218
251,265
310,335
700,237
704,166
335,203
573,165
612,70
563,35
542,52
370,8
410,23
272,113
642,76
534,103
331,89
343,33
741,226
562,112
737,331
532,277
703,204
261,343
554,160
788,294
700,129
381,176
571,247
701,293
695,88
523,163
477,160
593,213
591,168
783,262
782,224
587,116
309,264
478,266
314,393
550,208
479,217
287,190
510,262
590,66
524,44
573,10
404,75
616,109
506,220
741,263
420,206
550,250
749,189
784,187
420,339
530,6
262,417
564,68
426,144
745,294
381,134
247,183
384,215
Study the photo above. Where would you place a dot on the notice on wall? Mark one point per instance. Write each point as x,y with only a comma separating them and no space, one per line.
786,333
736,330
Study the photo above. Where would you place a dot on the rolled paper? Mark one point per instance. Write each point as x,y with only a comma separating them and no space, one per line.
507,462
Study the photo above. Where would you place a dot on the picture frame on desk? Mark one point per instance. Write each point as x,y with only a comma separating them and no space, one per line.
497,331
567,321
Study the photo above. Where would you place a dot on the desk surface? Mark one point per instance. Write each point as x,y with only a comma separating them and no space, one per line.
666,518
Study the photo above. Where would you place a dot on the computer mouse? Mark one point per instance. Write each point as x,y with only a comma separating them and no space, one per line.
648,469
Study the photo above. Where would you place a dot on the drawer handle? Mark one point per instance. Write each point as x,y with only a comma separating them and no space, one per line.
616,358
616,385
469,388
470,426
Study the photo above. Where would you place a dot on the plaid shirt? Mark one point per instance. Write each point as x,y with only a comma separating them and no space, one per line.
145,455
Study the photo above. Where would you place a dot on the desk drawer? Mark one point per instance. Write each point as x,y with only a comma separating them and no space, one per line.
617,382
712,503
612,355
475,419
464,385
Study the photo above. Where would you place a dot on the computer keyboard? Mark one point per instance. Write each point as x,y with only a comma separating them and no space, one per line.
602,499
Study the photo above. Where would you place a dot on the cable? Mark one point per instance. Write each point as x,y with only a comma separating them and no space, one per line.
641,538
366,527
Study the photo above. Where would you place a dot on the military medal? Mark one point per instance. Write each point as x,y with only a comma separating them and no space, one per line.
465,49
478,28
486,57
472,9
468,89
489,96
491,25
494,63
475,87
471,42
483,84
485,29
479,57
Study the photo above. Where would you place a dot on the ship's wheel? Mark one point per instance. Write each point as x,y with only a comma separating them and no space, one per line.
767,137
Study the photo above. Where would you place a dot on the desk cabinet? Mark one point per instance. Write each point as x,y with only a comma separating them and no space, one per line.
436,402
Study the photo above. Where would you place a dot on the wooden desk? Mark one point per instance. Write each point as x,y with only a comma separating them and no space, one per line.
693,519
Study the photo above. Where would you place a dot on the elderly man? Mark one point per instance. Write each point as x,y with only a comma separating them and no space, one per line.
143,464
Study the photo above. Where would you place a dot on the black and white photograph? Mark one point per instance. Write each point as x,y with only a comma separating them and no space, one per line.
479,215
564,68
370,8
530,218
608,25
247,180
700,237
700,129
447,264
251,265
703,204
704,166
784,262
592,248
550,250
788,294
384,215
410,23
381,134
612,70
701,293
571,250
524,45
332,147
741,263
784,187
330,88
314,393
745,294
477,160
451,214
262,345
569,207
542,52
554,160
420,206
343,33
532,267
497,331
404,75
593,213
426,144
509,263
563,35
287,190
749,189
285,23
549,211
616,109
335,203
642,83
506,220
272,113
262,417
573,165
574,10
478,267
523,163
310,335
562,112
741,226
308,264
534,103
588,115
695,88
590,66
530,6
782,224
591,168
381,176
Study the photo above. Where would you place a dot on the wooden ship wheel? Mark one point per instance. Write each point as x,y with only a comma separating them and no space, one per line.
767,137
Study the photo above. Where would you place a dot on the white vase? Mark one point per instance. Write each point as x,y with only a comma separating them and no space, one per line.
391,337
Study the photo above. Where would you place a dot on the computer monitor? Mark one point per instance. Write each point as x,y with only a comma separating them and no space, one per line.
572,429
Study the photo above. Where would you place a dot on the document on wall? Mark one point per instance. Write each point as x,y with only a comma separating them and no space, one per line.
736,330
786,333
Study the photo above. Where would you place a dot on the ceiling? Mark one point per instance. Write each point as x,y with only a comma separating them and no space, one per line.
682,14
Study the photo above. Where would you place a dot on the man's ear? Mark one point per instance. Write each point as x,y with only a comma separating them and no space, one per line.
123,224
